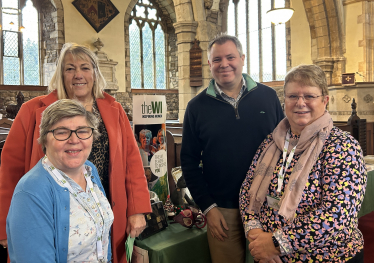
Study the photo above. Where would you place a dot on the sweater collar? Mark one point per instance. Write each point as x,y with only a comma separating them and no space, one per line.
250,84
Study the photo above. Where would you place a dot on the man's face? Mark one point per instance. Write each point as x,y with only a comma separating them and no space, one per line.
226,65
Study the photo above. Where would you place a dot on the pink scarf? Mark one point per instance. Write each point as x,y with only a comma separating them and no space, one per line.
309,145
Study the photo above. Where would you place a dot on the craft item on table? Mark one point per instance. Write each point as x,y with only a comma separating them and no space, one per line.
153,197
190,217
169,208
129,245
139,255
155,221
179,198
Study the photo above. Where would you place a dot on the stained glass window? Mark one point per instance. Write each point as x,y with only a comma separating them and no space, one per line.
147,47
263,43
19,47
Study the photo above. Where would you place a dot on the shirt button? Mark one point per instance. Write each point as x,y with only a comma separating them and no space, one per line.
113,204
65,207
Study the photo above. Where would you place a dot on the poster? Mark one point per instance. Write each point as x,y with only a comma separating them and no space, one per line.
149,116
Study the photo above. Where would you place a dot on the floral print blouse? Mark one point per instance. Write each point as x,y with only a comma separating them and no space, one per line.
325,226
82,229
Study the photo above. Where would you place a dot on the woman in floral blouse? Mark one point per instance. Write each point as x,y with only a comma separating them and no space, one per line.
304,188
59,212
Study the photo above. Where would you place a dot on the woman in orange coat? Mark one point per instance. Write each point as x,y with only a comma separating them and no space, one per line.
115,154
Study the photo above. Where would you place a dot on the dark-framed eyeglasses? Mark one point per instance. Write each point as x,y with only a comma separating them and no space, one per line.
306,98
62,134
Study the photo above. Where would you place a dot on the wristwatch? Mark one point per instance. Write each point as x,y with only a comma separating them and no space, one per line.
275,241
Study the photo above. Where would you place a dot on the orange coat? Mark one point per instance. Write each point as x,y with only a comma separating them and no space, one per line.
128,185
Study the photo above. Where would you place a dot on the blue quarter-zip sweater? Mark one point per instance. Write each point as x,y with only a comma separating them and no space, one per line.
225,139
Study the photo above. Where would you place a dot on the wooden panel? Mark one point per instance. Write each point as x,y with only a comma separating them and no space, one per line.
170,148
178,147
370,138
362,135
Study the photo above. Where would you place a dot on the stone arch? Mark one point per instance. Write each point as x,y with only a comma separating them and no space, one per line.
326,29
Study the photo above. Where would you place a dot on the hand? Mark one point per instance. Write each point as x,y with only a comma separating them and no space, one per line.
4,243
135,225
254,232
215,222
262,247
274,260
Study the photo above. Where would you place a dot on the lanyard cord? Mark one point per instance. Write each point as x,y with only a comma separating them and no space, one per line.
99,229
289,159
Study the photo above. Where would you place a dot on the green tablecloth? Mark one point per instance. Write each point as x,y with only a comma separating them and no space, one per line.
368,203
177,244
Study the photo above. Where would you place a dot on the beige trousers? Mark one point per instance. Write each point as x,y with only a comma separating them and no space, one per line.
232,249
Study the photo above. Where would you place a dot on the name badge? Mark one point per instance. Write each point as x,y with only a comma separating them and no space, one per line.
273,202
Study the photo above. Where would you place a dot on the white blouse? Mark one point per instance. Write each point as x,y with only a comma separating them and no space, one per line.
82,230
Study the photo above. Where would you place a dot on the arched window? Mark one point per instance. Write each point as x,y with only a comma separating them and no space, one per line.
147,47
19,60
264,43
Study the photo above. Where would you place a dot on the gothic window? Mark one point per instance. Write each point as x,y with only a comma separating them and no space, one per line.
264,43
147,47
19,38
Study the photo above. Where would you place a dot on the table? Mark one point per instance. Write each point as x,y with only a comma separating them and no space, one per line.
368,203
177,244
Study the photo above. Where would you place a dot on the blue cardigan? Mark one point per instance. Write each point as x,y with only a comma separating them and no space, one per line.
38,219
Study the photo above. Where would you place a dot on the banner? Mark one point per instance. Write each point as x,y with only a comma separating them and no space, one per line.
149,116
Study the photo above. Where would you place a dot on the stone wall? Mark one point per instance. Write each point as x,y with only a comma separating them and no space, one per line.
173,59
8,97
53,37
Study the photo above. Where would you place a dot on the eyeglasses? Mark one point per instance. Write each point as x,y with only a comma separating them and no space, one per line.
62,134
306,98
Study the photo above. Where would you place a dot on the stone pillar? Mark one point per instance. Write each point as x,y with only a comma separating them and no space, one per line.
185,31
327,65
333,68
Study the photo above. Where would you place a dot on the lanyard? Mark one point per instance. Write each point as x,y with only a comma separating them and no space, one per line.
289,159
99,229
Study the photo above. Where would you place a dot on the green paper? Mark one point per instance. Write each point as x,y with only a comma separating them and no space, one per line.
129,247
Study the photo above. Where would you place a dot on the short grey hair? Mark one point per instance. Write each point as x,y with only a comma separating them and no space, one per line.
307,75
221,39
64,108
83,53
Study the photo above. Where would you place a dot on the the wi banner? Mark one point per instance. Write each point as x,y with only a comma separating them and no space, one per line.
149,116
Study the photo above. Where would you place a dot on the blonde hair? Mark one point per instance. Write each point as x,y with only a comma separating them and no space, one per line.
80,52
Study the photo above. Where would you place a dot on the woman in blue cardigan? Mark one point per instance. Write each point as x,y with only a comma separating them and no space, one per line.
59,211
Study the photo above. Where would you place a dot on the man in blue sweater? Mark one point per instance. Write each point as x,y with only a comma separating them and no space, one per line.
223,127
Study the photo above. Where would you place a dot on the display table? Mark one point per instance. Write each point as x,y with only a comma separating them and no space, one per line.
177,244
368,203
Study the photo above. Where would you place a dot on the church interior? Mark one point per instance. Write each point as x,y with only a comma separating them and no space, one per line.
146,47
